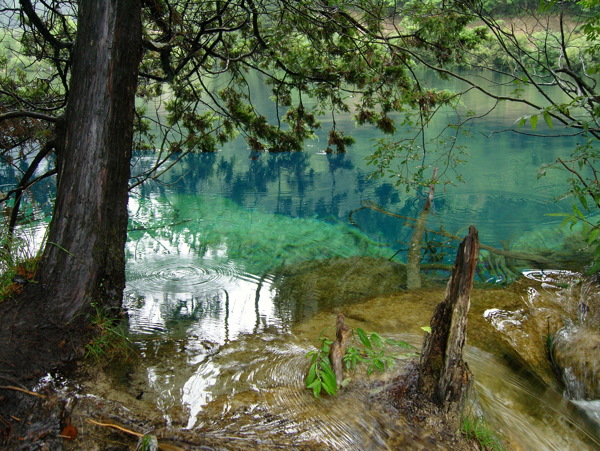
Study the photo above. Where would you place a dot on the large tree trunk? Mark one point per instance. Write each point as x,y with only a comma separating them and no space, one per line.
84,259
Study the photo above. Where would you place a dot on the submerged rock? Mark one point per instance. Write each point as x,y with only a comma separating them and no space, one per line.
546,311
303,290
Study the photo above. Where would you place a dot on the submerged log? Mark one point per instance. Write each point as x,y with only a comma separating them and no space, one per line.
338,349
443,376
514,254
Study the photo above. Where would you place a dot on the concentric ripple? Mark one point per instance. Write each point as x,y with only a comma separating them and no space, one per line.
178,275
209,298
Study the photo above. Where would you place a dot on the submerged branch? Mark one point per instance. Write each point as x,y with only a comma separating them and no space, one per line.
517,255
413,263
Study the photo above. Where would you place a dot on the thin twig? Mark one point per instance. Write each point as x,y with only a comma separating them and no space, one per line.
22,390
115,426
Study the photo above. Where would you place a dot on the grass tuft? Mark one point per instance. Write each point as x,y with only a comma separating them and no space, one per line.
110,340
476,428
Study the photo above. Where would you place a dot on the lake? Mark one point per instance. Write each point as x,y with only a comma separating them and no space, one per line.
206,239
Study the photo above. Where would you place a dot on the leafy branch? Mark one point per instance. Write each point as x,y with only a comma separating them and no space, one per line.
373,351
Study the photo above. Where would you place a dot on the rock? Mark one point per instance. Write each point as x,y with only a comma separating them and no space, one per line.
529,315
576,354
307,288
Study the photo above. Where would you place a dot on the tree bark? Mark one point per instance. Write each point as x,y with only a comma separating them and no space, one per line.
338,348
444,377
84,259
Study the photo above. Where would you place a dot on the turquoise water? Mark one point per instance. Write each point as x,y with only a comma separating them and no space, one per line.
271,194
234,216
206,238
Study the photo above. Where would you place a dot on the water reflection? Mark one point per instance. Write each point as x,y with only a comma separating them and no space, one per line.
216,302
220,357
250,388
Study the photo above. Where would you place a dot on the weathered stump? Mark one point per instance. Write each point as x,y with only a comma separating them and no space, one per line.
338,349
443,375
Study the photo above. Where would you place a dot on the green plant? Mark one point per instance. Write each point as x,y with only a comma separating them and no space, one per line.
110,340
320,374
374,354
147,443
18,265
476,428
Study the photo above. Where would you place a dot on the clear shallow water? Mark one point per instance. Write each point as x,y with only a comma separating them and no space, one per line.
222,357
248,386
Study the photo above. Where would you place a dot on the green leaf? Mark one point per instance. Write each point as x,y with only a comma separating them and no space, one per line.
593,236
325,345
534,120
548,118
378,365
316,387
426,329
583,201
376,339
329,380
578,212
362,335
570,219
312,375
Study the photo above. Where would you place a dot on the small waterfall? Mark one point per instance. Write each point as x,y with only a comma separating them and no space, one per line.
576,354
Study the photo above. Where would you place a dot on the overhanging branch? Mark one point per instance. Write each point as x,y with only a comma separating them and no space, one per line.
29,114
35,20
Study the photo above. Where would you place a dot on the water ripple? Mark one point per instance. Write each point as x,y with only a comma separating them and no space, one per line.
176,274
211,298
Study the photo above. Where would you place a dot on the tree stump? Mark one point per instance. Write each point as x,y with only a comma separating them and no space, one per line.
443,377
338,349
